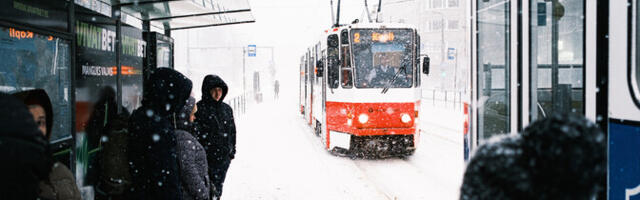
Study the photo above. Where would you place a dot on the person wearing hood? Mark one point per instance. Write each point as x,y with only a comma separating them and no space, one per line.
559,157
215,128
24,151
61,184
153,161
191,156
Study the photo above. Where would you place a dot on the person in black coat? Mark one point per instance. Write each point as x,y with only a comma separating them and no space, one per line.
216,130
559,157
152,143
24,152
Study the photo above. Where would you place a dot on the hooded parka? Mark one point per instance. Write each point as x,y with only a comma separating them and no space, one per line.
152,145
192,158
215,128
24,153
60,185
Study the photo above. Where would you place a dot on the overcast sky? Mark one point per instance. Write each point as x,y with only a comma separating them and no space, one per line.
290,26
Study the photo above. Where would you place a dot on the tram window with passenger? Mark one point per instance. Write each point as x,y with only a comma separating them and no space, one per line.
383,58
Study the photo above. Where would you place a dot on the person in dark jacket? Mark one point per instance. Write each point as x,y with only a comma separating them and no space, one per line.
215,128
107,130
152,143
560,157
24,152
276,89
191,156
60,184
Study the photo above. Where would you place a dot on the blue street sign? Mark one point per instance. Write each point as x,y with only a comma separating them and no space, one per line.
451,53
251,50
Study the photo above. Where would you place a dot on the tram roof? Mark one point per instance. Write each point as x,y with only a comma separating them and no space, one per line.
187,14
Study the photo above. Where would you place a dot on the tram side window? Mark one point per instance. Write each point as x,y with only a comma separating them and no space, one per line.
35,61
493,68
332,61
347,73
312,70
557,60
417,62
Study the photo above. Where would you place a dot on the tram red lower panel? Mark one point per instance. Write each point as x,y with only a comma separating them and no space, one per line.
382,118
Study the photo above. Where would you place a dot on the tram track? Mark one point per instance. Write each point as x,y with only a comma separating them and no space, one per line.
310,135
394,178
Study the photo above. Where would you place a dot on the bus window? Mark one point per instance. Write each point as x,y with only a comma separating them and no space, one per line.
493,68
557,61
35,61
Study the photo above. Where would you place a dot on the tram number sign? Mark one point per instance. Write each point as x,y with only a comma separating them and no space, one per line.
251,50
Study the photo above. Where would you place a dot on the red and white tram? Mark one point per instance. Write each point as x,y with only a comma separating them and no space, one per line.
360,89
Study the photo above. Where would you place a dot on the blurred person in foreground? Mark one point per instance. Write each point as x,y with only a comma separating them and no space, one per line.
152,142
560,157
61,184
191,156
24,151
216,130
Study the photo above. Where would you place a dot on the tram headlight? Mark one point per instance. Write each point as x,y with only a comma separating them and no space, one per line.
363,118
405,118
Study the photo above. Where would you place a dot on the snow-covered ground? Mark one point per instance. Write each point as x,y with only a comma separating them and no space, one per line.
279,157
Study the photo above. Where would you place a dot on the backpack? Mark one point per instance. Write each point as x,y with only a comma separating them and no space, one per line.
115,178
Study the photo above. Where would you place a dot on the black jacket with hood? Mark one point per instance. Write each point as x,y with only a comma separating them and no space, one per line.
214,125
24,152
152,145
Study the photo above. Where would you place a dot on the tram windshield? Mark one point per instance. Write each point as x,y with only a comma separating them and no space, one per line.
383,58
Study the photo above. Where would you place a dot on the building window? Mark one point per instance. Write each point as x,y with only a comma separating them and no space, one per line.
436,25
453,3
453,24
436,4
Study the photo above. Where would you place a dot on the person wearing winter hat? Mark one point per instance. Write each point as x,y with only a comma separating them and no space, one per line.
215,128
153,160
24,152
61,184
191,156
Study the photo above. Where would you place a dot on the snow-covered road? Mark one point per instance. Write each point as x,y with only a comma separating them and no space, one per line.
279,157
